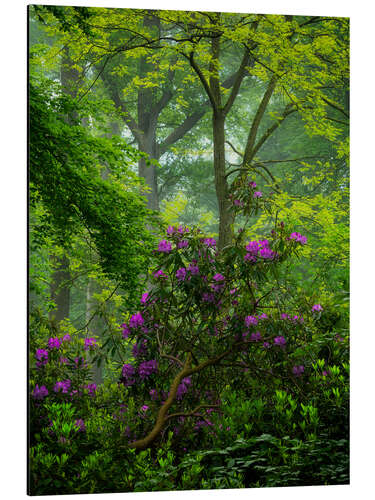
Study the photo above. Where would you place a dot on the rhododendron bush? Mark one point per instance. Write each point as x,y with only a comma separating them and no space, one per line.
218,350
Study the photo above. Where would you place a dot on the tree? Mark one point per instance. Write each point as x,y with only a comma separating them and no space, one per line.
66,165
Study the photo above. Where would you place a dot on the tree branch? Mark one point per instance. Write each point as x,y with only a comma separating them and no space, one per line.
203,80
288,110
249,154
237,84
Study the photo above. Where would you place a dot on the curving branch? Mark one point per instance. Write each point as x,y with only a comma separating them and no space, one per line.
186,371
249,154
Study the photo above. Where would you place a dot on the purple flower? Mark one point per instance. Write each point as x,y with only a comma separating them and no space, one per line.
89,342
255,336
266,253
263,316
91,388
210,242
182,229
258,194
181,274
298,370
136,320
253,247
208,297
125,330
238,203
218,277
183,387
279,341
266,345
80,424
285,316
159,274
54,343
250,257
298,237
63,385
147,368
165,246
63,361
317,307
66,338
251,320
194,269
182,244
145,408
42,357
171,230
139,349
128,372
144,298
252,184
40,392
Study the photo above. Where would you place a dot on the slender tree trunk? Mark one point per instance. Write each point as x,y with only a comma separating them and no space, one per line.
221,185
148,172
60,291
218,128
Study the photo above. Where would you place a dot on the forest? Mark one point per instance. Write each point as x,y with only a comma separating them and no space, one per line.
188,248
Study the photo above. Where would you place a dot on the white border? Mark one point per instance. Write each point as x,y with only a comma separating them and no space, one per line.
13,244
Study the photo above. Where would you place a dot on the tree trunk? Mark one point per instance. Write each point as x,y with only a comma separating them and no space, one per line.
148,172
60,291
221,185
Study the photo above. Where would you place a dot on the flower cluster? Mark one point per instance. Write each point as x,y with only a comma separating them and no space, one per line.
62,386
91,388
139,349
210,242
42,357
136,320
193,268
257,249
40,392
317,308
54,343
147,368
294,319
128,373
90,343
280,341
144,298
164,246
298,238
219,282
183,244
298,370
251,320
159,274
256,336
183,387
181,274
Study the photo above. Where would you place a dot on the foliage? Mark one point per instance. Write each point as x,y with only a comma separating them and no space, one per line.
265,392
231,366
